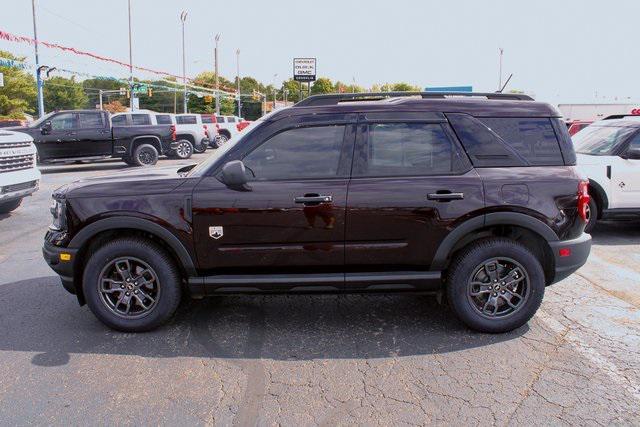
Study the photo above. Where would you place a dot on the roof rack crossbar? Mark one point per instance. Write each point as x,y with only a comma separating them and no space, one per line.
336,98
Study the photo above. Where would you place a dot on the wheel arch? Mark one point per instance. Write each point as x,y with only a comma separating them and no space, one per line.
188,136
146,139
597,192
109,228
531,232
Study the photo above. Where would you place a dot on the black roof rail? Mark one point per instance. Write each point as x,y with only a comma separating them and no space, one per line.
620,116
335,98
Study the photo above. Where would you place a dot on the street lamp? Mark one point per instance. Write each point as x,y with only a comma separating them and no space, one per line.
238,77
38,79
132,95
215,59
183,18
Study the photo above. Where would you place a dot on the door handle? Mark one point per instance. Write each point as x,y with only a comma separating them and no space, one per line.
313,198
445,196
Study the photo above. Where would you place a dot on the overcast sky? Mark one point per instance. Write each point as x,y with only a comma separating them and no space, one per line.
561,51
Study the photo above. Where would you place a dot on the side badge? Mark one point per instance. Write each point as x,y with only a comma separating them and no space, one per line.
216,232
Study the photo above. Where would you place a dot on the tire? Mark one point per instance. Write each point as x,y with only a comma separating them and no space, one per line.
184,150
145,155
11,205
162,275
199,148
505,259
592,216
222,138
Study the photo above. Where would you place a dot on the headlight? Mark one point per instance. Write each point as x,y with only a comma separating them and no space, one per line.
58,211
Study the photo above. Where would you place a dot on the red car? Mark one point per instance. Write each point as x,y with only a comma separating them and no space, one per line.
577,126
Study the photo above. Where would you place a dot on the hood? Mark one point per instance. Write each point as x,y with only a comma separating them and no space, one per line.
143,181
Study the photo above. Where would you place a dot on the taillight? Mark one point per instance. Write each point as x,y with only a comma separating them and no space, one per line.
173,132
238,127
206,130
583,200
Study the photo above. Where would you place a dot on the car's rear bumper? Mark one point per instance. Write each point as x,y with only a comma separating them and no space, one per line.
570,255
55,257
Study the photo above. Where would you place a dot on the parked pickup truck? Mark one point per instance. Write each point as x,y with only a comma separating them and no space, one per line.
19,176
89,135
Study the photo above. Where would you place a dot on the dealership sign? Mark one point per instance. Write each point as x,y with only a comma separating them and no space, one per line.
304,69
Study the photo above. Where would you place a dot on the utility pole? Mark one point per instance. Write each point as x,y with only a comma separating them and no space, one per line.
215,60
183,18
501,51
38,79
132,95
238,77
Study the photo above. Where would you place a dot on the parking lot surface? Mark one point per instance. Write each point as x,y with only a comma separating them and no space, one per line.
315,360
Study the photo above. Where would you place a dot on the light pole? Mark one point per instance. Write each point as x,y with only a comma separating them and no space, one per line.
38,79
215,60
183,18
238,77
501,51
131,94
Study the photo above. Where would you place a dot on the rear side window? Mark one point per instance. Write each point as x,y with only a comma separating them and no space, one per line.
90,121
207,119
163,119
231,119
140,119
220,119
533,138
406,149
186,120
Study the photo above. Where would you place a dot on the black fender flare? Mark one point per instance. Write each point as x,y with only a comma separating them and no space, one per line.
113,223
476,223
157,143
597,188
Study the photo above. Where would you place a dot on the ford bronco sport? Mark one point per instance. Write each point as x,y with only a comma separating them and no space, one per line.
472,197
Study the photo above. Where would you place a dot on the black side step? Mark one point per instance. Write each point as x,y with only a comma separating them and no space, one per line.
305,283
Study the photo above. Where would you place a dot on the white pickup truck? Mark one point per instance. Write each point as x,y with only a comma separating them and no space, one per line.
19,176
608,152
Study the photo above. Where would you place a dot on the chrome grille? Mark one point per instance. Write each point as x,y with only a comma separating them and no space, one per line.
15,144
16,163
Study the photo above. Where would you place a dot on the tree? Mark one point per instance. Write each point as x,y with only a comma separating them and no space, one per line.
18,96
61,93
322,85
114,107
91,87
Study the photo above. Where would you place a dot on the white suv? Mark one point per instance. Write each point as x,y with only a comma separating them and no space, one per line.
608,153
227,127
19,176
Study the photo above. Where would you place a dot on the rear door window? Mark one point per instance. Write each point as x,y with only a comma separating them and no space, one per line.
90,121
64,121
406,149
220,119
119,120
163,119
207,119
186,120
533,138
231,119
140,119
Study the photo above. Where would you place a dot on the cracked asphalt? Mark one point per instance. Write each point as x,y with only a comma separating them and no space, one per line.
316,360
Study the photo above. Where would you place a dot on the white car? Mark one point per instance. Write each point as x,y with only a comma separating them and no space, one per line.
608,152
227,127
191,137
19,176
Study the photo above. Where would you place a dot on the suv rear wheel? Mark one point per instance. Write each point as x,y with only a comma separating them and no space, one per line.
495,285
131,285
184,150
592,215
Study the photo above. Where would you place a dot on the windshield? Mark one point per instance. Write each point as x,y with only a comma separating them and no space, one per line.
41,120
600,140
219,152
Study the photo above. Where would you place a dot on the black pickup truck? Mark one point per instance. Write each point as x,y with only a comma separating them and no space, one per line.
75,135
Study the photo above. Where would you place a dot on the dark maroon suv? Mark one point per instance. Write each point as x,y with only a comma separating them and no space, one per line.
473,197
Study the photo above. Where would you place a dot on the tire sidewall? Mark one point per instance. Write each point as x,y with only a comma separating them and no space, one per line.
164,268
191,149
593,215
467,263
145,147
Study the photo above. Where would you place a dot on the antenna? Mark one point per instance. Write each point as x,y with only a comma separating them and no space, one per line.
505,83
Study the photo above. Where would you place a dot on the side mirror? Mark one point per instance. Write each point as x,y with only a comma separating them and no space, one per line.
46,127
234,176
632,154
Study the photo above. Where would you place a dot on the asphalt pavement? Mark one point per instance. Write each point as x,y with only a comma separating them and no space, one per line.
315,360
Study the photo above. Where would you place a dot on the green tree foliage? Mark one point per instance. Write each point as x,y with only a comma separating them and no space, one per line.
322,85
61,93
18,96
91,87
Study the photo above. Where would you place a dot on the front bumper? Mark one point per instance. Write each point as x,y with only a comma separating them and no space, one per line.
61,260
570,255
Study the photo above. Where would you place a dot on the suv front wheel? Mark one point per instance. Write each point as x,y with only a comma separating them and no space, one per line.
495,285
131,285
